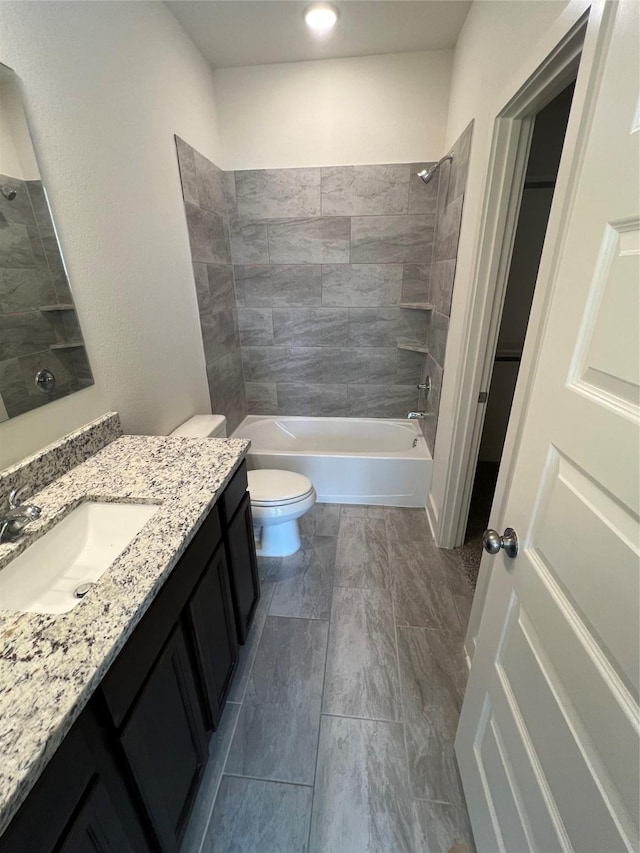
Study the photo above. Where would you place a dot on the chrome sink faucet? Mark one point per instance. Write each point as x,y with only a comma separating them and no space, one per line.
15,519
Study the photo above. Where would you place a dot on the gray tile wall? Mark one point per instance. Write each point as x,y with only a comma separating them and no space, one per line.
208,195
450,197
32,276
301,275
323,260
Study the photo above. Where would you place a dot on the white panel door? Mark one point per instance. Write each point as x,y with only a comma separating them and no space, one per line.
548,740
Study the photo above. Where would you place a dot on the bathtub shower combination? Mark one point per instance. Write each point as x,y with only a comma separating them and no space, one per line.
348,460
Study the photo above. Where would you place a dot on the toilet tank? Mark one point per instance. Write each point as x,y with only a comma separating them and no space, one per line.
203,426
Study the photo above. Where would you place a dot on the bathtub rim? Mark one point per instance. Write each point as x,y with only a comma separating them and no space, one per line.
411,426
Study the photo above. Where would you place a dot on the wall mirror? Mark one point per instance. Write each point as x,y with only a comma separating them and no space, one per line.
42,353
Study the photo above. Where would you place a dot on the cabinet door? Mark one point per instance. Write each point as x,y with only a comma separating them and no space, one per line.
165,742
80,800
243,567
97,827
211,625
123,681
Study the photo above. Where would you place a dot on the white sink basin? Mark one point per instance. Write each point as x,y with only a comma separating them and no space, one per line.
45,577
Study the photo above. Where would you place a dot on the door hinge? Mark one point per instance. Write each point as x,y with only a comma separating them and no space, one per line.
482,397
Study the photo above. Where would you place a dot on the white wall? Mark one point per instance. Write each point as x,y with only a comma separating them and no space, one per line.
373,109
496,47
106,86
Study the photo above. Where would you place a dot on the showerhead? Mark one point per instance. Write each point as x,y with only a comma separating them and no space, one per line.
427,174
8,193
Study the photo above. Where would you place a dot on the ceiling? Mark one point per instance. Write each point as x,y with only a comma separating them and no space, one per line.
232,33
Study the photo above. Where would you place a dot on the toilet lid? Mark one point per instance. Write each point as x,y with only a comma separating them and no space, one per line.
269,486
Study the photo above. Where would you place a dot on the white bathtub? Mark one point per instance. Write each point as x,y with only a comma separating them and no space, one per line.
348,460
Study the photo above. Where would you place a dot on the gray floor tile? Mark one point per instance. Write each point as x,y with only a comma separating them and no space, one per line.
421,595
433,769
304,581
252,816
361,802
362,670
362,559
387,781
218,749
439,826
362,511
408,525
277,732
432,680
463,608
250,648
321,520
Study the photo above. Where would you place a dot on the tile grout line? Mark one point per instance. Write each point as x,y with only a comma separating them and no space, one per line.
258,641
363,719
324,679
265,779
233,734
404,724
217,790
292,616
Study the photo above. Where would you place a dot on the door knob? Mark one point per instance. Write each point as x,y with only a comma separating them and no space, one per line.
492,542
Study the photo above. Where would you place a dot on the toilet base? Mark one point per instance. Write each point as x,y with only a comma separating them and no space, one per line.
278,540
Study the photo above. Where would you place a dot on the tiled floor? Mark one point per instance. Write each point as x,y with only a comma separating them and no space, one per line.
338,733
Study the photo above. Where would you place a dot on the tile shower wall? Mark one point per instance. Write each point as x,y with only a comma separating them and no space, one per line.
205,189
302,276
33,329
452,183
323,260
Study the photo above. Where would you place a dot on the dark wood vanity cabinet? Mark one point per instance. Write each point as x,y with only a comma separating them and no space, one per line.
165,741
126,775
166,690
80,803
97,827
210,625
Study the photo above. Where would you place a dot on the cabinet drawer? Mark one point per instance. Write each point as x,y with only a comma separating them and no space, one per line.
234,493
128,672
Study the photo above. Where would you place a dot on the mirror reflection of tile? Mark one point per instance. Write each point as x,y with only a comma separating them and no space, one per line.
39,328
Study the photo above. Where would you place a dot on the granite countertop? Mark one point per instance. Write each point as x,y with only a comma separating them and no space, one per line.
51,664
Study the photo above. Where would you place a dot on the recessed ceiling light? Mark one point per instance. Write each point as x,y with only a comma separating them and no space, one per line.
321,17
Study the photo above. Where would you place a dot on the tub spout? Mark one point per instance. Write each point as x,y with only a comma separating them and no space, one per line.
416,416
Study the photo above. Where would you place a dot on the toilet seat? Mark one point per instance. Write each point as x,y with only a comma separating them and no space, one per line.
269,487
278,500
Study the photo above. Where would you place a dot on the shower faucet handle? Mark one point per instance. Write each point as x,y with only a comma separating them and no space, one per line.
425,386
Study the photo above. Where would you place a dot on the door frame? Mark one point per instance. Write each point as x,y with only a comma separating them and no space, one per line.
582,45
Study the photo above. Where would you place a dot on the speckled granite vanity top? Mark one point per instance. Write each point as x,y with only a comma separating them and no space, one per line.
50,665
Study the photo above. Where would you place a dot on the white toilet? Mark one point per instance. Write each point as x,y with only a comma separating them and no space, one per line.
278,498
